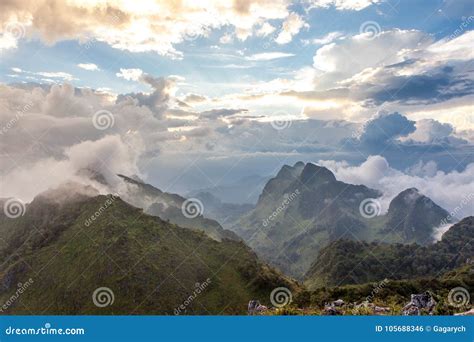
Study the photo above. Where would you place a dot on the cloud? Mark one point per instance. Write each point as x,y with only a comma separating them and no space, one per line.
429,130
291,27
88,66
156,137
353,5
137,27
216,113
62,75
347,57
267,56
386,127
130,74
226,39
265,29
107,156
399,70
49,133
53,76
328,38
453,191
194,98
439,231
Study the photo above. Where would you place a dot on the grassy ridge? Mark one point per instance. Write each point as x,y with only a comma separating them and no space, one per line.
151,266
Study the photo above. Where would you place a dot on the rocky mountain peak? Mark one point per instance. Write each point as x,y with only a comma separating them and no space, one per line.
313,173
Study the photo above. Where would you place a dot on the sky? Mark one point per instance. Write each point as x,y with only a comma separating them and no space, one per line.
195,94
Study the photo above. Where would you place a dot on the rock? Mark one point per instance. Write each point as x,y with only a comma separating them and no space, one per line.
420,302
466,313
331,311
338,302
380,310
252,307
411,311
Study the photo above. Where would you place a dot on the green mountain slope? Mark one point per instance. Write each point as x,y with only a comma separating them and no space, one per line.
151,266
353,262
169,207
305,207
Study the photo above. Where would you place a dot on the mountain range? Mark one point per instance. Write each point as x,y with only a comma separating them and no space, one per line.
304,208
152,253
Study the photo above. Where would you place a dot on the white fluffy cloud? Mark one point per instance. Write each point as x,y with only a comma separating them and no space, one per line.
429,130
48,134
399,70
354,5
135,26
130,74
350,56
291,26
88,66
453,191
267,56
